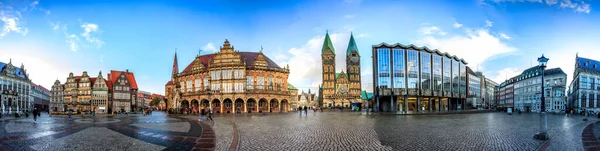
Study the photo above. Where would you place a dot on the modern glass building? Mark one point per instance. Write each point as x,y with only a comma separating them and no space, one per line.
408,78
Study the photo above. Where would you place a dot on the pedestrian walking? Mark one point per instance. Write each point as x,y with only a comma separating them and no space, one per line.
210,114
300,111
202,114
70,113
305,110
35,114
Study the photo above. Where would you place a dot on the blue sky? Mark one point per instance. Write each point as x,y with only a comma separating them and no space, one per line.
499,37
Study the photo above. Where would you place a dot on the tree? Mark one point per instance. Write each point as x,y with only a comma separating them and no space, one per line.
155,101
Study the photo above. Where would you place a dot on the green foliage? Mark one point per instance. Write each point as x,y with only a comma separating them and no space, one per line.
155,101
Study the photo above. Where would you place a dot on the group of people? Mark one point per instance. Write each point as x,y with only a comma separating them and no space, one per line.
305,109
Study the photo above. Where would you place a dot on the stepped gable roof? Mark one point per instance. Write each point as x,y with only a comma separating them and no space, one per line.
247,56
129,75
588,64
424,48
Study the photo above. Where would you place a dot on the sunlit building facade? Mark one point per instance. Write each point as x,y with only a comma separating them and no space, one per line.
409,78
15,89
584,90
229,81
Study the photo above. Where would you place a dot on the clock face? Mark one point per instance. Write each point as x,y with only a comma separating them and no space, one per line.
355,59
343,89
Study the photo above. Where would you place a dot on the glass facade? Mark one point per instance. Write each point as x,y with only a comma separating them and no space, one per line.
426,71
399,67
383,68
455,78
428,80
447,79
437,73
413,70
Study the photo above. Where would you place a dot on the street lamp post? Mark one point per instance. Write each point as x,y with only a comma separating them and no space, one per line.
542,135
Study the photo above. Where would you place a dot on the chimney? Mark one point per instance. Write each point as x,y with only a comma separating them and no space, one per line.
126,70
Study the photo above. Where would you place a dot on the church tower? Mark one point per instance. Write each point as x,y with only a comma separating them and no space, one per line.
328,66
353,67
175,67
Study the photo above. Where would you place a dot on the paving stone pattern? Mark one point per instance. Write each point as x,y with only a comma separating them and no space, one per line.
355,131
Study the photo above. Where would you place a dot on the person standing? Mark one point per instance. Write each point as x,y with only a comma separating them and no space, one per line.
35,114
300,111
210,114
305,110
70,113
202,114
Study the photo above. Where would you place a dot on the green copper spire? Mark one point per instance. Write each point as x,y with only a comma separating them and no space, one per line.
327,44
351,45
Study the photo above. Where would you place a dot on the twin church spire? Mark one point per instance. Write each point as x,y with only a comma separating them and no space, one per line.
328,45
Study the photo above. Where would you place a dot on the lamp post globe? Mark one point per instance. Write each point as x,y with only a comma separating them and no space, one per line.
542,135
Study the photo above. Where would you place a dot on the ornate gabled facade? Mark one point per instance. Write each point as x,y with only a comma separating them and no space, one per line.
15,89
229,81
123,91
307,99
56,97
340,89
103,95
100,94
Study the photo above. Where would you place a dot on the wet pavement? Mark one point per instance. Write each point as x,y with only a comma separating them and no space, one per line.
123,132
356,131
289,131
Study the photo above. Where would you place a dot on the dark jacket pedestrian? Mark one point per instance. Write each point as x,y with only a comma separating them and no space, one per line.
305,110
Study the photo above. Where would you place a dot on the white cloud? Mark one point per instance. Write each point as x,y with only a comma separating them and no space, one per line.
578,6
209,47
488,23
503,35
84,39
428,30
468,46
457,25
11,20
505,74
349,16
88,29
73,41
305,61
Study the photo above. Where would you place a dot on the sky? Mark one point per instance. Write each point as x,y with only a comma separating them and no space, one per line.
500,38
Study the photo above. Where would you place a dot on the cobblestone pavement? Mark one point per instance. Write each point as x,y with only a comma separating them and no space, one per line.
356,131
123,132
288,131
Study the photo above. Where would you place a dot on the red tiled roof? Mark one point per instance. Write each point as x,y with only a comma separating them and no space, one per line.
169,83
109,82
248,56
130,77
92,80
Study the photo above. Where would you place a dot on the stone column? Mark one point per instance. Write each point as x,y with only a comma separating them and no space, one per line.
268,106
246,106
279,106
